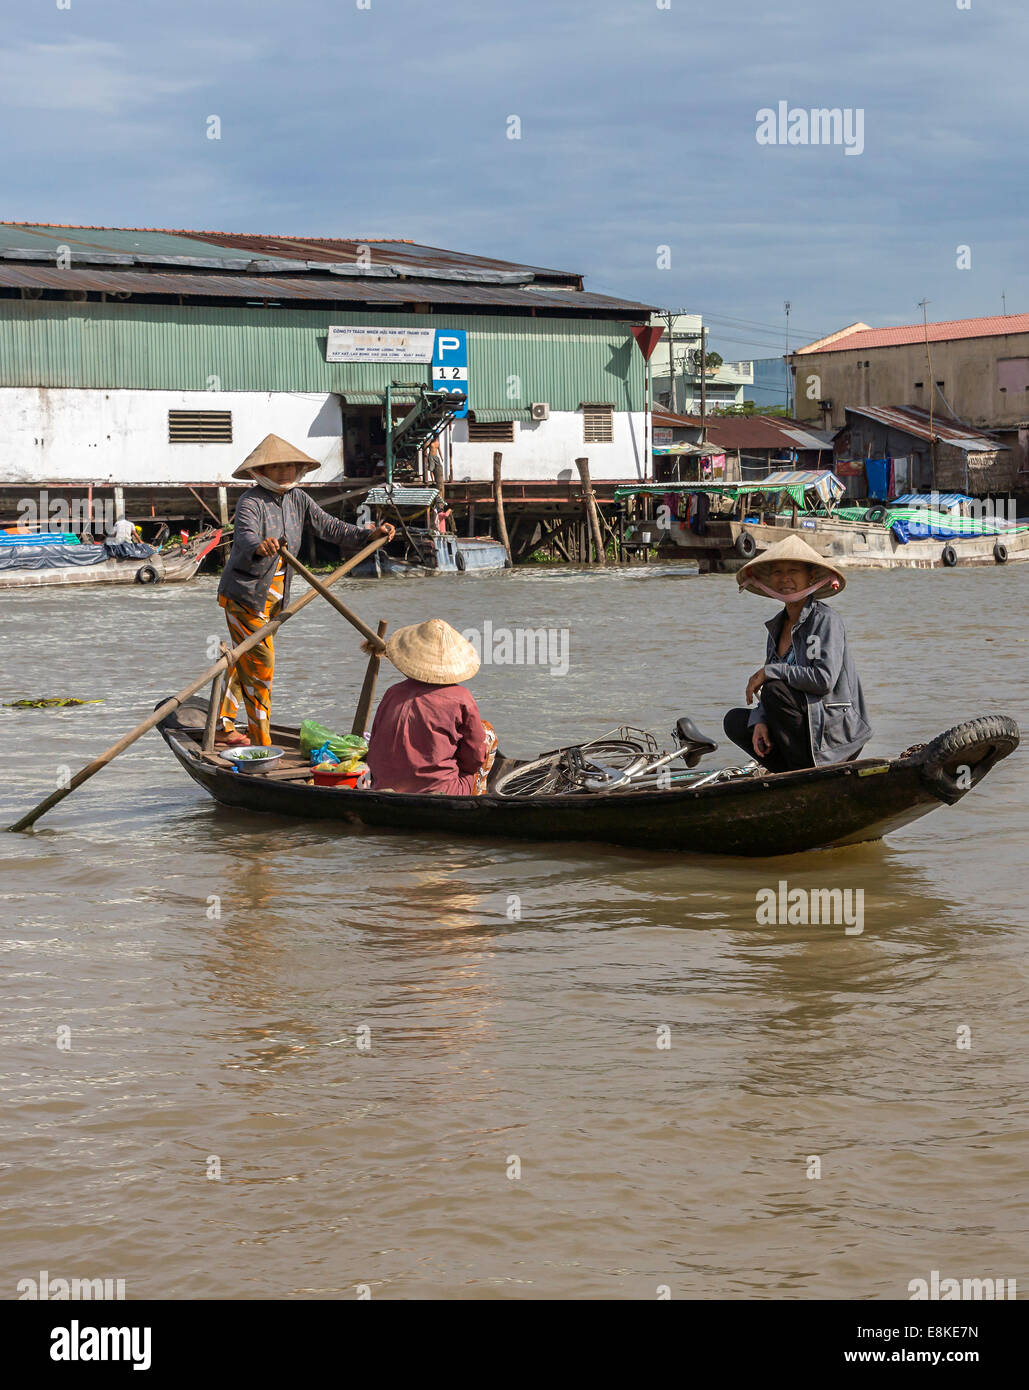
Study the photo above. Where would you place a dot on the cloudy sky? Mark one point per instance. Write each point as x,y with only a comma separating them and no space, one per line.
638,123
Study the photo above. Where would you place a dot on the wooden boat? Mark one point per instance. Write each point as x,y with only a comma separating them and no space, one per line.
764,814
421,551
745,518
30,567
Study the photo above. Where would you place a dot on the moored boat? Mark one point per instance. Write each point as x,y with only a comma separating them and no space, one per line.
38,561
730,812
739,520
424,549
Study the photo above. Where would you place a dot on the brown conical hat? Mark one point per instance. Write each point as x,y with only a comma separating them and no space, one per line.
272,449
432,652
793,548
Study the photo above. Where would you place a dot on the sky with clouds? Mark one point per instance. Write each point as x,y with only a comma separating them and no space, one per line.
638,131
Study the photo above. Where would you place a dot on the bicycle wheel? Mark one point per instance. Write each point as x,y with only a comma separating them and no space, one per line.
543,777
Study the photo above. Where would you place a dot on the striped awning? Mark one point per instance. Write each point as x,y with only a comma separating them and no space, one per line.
497,415
402,496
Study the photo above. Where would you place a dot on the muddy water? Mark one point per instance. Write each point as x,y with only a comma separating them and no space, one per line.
216,974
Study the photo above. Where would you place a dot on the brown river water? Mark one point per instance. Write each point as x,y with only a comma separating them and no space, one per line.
427,1068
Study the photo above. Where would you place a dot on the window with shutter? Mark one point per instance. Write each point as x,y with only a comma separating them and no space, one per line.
598,424
199,426
491,432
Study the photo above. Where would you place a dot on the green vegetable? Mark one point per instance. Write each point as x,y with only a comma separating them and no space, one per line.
55,702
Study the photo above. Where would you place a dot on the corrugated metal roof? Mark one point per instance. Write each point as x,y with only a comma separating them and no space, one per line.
266,287
916,422
764,432
402,496
945,331
665,419
260,254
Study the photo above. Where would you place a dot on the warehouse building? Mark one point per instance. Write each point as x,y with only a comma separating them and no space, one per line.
150,358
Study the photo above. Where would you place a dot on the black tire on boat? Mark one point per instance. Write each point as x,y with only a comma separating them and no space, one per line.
949,556
990,737
459,561
1000,553
508,563
146,574
875,514
746,546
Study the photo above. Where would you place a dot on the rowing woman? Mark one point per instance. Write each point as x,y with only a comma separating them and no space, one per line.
810,709
255,582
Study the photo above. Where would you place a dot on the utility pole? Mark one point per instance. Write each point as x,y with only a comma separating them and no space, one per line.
789,410
669,318
703,379
1003,302
923,304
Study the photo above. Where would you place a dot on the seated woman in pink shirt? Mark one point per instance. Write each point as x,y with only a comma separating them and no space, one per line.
427,735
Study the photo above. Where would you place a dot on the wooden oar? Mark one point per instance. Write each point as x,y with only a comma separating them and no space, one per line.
169,706
316,584
364,703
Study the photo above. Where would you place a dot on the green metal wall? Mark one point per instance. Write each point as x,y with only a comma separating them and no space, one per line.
512,361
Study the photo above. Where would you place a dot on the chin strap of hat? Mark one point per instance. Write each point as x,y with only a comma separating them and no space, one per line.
755,586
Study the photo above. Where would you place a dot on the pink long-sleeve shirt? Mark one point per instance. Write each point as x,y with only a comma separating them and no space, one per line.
426,738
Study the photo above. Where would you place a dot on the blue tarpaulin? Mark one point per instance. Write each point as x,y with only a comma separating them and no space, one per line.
877,471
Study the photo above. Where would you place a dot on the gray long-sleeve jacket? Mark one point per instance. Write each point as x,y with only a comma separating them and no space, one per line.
824,670
262,514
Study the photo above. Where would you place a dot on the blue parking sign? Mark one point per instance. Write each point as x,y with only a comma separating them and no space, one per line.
450,364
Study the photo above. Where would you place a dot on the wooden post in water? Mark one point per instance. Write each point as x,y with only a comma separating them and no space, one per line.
498,498
371,675
583,465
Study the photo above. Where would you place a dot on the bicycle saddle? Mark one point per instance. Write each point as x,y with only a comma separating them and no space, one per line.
698,745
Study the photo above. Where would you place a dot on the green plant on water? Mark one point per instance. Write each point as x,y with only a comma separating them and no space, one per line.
54,702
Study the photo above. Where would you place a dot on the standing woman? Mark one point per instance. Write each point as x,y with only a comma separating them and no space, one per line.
255,582
810,708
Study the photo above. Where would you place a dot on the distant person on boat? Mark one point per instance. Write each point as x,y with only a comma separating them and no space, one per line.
443,515
428,735
810,709
124,531
255,582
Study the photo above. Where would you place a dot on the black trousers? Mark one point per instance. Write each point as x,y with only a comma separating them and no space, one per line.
786,717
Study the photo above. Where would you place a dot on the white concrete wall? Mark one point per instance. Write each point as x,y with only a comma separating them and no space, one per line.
547,449
56,435
53,435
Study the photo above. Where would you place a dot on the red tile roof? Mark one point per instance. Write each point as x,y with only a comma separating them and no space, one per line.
860,338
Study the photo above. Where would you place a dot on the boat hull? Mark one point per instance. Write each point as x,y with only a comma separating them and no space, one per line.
770,815
449,554
170,569
868,546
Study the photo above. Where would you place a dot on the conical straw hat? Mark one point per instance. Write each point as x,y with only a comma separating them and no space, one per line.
432,652
793,548
272,449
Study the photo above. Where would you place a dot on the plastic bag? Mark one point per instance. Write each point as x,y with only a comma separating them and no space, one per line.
345,746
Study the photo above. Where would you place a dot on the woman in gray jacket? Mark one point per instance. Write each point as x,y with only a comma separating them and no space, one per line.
810,709
255,581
